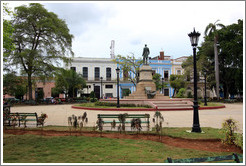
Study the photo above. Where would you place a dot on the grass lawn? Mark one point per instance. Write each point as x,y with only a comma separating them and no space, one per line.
207,133
210,104
72,149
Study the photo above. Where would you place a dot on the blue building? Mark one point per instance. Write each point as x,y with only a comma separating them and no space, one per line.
163,65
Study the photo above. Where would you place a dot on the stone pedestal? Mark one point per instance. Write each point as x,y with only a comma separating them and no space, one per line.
145,80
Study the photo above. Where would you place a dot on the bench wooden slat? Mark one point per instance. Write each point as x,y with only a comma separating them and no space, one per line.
125,122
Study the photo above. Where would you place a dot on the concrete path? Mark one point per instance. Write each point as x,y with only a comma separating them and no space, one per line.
58,115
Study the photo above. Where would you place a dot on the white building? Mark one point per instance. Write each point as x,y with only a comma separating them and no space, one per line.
98,72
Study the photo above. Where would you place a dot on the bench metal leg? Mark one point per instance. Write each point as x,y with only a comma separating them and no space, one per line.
169,160
236,158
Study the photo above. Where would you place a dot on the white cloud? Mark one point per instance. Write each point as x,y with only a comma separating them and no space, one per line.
160,24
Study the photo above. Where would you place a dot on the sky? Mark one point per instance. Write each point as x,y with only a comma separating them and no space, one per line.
162,25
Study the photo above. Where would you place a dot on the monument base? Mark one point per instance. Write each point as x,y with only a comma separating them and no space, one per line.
145,84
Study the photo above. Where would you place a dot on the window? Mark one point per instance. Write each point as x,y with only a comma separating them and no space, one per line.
166,75
166,92
73,68
178,72
109,95
108,74
97,73
108,86
85,73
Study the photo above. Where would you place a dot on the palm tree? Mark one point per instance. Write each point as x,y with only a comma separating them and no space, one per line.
211,30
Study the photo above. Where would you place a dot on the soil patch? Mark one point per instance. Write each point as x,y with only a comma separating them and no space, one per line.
212,145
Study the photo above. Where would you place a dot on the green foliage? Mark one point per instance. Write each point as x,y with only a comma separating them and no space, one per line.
130,66
239,140
229,126
231,58
177,82
8,45
181,93
42,42
93,99
230,39
122,105
126,92
189,95
14,85
68,81
55,92
158,82
92,94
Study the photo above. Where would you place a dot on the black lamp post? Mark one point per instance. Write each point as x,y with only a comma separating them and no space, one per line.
118,99
101,88
162,86
205,96
194,37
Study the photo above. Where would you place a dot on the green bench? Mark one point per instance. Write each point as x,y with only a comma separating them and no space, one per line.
114,117
22,118
224,159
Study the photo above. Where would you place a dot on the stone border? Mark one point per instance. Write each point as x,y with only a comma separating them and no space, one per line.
144,109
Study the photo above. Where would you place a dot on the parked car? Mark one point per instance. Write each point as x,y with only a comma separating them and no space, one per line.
49,100
11,100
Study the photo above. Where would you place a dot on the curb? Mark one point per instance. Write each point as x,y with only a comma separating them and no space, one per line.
145,109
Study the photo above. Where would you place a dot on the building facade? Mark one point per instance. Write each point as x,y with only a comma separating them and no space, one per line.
100,74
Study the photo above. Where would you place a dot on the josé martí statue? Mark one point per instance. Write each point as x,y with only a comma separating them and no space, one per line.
145,55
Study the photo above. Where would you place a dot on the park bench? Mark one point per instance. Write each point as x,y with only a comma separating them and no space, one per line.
114,117
22,118
224,159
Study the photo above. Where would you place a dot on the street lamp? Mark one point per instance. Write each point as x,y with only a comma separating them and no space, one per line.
194,37
205,96
101,88
162,86
118,99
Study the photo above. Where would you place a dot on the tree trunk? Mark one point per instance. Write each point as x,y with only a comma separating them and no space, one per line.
30,86
216,68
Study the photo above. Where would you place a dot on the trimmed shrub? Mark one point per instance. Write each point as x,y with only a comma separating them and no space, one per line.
229,127
181,93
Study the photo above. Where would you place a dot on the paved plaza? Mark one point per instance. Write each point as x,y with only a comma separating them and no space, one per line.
58,115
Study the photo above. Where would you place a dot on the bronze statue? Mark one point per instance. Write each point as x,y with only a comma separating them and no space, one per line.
145,55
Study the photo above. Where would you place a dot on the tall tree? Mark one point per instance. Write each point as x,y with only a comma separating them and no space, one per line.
231,58
158,82
68,82
211,29
42,42
130,66
177,82
8,30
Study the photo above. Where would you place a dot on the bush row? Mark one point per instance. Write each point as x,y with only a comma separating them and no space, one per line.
122,105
